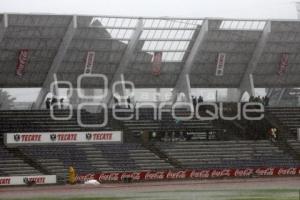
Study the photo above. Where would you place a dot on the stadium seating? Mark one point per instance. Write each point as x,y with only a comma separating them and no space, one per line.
295,145
11,165
40,120
225,154
86,158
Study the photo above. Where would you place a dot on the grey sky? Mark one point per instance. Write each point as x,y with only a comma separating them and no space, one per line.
183,8
275,9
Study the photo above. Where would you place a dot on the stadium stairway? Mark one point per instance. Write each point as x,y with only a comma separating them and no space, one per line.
287,117
279,118
162,155
241,128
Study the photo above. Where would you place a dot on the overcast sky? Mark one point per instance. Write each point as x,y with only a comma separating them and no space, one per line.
268,9
183,8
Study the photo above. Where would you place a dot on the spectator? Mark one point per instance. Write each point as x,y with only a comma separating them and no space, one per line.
200,99
266,100
48,103
54,103
116,101
273,134
128,102
194,101
61,103
251,99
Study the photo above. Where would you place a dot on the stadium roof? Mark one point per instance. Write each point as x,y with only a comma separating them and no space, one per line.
60,44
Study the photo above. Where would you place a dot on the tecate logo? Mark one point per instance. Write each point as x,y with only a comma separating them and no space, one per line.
5,181
37,180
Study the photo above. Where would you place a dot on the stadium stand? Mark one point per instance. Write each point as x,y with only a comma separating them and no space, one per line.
226,154
153,53
89,158
295,145
40,120
10,164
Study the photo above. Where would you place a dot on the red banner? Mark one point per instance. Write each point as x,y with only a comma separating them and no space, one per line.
189,174
283,64
89,62
220,64
22,61
156,66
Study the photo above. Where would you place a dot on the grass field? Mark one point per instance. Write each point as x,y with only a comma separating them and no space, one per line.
283,188
272,194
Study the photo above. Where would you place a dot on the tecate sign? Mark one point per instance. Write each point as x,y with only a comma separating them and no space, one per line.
21,180
62,137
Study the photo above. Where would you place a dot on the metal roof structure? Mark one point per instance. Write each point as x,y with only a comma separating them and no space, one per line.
59,44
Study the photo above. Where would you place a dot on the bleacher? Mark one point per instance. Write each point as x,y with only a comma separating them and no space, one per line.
40,120
147,122
295,144
227,154
129,156
90,158
12,165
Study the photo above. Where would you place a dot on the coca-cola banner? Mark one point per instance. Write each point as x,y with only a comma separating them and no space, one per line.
188,174
22,61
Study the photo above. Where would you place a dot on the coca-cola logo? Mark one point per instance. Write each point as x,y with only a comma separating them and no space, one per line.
84,178
220,173
154,175
132,175
265,172
243,172
289,171
199,174
176,175
109,177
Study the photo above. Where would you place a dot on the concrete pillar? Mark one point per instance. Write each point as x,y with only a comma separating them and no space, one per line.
298,9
